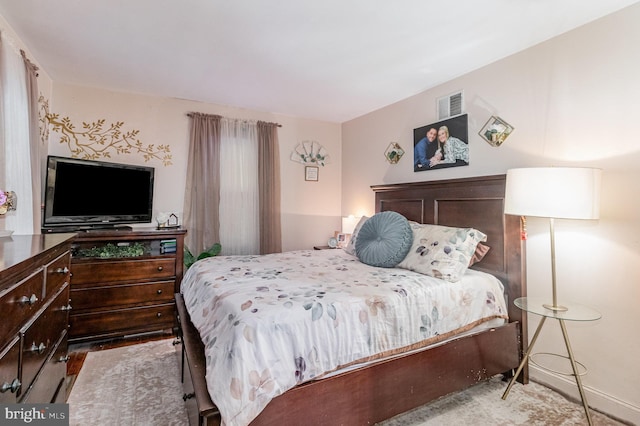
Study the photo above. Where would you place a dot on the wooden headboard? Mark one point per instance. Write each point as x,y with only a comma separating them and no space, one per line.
476,202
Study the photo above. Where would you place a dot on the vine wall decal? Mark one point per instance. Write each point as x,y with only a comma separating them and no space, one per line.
95,140
42,121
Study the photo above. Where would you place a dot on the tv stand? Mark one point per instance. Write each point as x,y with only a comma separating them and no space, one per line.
123,282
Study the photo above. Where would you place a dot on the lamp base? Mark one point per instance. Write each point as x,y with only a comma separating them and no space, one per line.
557,308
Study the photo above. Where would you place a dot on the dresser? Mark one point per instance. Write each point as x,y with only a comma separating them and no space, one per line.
123,283
34,312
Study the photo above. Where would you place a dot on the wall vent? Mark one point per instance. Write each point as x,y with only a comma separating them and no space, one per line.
450,105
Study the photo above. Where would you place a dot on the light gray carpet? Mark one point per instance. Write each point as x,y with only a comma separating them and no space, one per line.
140,385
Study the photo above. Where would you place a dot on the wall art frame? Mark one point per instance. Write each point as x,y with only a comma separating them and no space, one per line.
311,173
430,153
495,131
393,153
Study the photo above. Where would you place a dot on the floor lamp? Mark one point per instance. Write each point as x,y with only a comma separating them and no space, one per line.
554,193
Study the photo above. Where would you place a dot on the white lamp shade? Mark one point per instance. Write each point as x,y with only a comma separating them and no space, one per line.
557,192
349,223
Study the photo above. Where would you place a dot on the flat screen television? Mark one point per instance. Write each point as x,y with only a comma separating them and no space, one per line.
86,194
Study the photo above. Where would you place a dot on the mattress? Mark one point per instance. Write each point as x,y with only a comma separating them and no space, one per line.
269,323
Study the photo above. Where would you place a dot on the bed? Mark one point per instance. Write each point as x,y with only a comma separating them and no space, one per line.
381,388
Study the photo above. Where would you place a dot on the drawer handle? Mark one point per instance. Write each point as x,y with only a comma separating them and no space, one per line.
64,358
64,270
66,308
40,348
28,300
159,291
159,314
160,268
13,386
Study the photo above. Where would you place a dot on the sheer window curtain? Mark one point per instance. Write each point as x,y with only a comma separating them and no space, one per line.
237,175
16,132
239,203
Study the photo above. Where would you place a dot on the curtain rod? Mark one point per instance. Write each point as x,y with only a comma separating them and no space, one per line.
30,64
4,37
191,114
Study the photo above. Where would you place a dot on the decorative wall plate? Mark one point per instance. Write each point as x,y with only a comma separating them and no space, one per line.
310,153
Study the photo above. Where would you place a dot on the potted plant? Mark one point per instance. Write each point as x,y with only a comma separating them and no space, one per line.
190,259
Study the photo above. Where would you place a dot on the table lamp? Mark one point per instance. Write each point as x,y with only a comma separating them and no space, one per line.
349,224
554,193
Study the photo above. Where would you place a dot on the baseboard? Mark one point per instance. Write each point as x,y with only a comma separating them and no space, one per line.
607,404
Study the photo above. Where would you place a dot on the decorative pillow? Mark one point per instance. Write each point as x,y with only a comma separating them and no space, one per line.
384,239
479,254
441,251
351,246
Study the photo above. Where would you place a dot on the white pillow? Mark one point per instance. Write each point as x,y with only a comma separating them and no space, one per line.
441,251
351,246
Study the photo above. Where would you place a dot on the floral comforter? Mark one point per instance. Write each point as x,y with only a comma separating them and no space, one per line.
269,323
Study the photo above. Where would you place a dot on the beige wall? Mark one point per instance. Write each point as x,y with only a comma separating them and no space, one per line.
310,210
573,101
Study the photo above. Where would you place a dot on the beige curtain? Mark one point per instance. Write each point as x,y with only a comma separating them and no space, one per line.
269,188
202,197
37,151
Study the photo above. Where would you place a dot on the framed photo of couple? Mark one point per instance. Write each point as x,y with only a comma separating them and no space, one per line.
442,144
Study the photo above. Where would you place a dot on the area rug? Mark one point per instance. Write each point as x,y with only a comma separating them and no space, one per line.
140,385
136,385
482,404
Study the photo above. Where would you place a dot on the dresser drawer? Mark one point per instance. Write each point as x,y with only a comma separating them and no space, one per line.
122,321
152,293
56,274
51,379
42,334
10,385
20,302
122,270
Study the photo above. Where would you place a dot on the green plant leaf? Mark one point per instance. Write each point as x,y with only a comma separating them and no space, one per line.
190,259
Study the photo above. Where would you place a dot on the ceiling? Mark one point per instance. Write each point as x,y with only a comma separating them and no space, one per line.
331,60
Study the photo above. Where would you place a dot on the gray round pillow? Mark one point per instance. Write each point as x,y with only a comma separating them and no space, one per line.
384,240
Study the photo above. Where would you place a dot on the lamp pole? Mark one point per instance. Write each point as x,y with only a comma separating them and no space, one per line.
554,306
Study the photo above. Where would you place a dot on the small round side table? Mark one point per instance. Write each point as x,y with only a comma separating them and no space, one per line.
569,312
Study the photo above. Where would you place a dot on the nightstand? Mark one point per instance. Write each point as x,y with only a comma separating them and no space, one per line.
573,312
